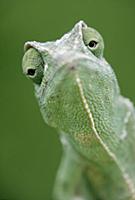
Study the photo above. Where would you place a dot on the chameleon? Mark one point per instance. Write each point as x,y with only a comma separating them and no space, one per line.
78,94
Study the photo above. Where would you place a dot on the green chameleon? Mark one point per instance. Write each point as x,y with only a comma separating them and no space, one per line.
79,95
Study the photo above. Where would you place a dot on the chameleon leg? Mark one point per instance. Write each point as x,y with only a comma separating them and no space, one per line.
69,185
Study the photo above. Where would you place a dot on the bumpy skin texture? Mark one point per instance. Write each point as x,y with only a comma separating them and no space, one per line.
78,94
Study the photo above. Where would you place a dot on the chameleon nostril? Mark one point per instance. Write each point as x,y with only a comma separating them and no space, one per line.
31,72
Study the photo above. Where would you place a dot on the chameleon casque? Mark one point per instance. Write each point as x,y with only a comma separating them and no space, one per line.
79,95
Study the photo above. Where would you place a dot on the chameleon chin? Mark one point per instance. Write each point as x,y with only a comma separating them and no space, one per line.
79,95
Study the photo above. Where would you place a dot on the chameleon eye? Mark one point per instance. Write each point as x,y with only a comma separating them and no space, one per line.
33,65
31,72
93,40
93,44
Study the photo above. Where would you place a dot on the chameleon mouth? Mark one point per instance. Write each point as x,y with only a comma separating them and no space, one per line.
41,91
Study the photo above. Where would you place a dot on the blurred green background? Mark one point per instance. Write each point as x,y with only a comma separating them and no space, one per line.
30,150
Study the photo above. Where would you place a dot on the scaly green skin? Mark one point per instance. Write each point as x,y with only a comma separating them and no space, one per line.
78,94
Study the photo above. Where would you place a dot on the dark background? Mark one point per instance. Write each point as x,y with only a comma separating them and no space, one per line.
30,150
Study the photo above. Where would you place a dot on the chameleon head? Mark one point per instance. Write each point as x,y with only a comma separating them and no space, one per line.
71,78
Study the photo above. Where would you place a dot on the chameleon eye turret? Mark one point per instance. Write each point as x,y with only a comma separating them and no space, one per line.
33,65
94,41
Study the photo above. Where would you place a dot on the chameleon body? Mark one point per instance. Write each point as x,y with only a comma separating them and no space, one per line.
78,94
